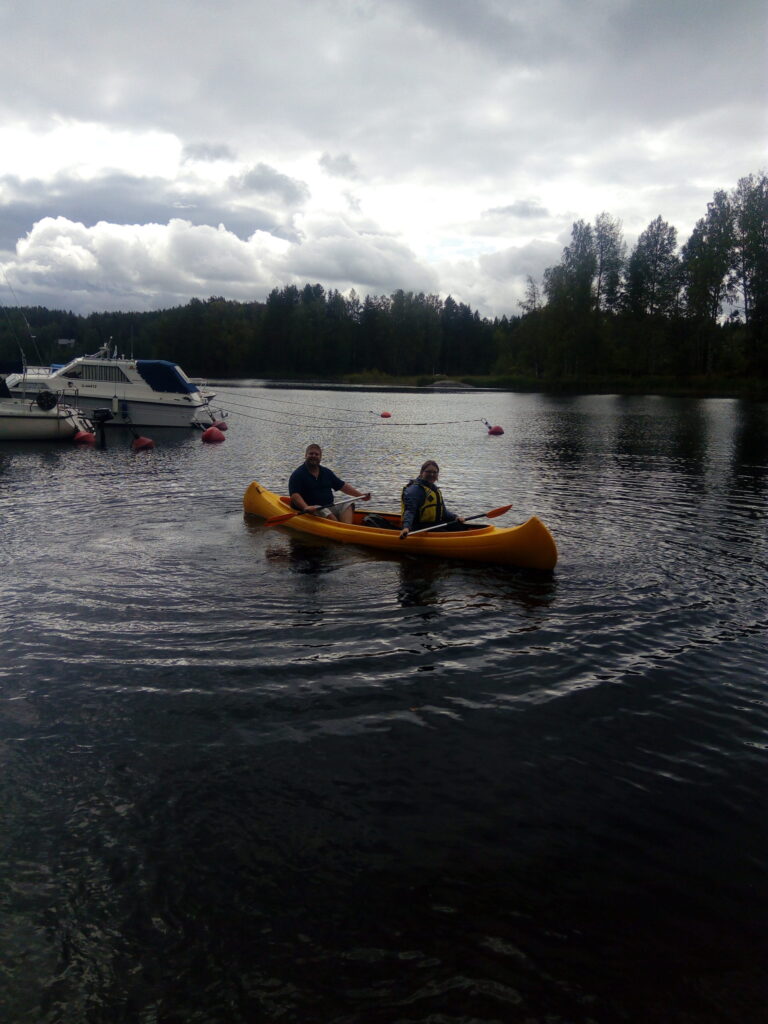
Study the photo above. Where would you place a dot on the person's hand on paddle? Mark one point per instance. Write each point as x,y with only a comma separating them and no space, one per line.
404,532
354,493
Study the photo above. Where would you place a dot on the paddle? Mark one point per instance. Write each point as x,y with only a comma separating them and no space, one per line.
274,520
481,515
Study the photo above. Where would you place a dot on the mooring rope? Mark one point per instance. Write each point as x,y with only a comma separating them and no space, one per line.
288,401
320,419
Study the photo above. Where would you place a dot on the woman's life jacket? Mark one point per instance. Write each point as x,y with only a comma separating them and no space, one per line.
432,507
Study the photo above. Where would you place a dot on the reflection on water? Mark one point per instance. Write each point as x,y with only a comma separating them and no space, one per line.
418,581
307,555
751,428
253,775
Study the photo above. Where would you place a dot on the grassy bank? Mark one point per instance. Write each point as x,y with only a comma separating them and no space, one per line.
701,387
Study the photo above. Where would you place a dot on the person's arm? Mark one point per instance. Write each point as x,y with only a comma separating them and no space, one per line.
411,501
354,493
451,517
300,505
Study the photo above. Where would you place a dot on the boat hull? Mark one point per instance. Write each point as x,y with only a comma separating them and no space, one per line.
529,545
24,421
129,412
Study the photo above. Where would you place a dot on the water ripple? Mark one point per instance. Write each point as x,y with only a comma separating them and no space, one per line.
252,776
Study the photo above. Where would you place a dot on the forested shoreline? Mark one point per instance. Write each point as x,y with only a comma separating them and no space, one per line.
691,318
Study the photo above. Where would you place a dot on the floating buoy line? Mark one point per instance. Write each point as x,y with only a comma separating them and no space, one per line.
245,409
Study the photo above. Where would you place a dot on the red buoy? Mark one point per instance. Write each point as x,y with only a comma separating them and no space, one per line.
495,431
386,415
220,425
84,437
212,435
142,444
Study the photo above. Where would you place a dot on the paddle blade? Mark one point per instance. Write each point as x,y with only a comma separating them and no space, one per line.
274,520
497,511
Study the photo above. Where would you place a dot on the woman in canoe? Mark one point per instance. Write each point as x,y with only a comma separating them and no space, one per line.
423,505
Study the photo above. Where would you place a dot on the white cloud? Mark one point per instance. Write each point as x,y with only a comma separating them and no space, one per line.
85,148
431,138
153,265
520,262
144,266
370,263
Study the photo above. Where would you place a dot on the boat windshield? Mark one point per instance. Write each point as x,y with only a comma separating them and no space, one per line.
99,371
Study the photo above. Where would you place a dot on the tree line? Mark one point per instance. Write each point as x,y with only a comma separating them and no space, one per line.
656,311
659,310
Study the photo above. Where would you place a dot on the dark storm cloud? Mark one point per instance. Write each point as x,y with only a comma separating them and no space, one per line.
523,209
507,30
125,199
340,166
208,152
414,85
266,181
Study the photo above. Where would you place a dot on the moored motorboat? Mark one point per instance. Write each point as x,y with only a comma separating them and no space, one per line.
138,392
529,545
42,418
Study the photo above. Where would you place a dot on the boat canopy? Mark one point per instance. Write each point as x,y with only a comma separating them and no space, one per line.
162,375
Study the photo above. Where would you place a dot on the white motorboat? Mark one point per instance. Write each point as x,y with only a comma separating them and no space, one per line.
137,392
39,418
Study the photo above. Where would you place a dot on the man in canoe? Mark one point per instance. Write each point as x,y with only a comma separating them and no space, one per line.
311,488
423,505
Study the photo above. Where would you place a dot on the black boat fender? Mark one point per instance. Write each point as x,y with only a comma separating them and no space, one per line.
47,400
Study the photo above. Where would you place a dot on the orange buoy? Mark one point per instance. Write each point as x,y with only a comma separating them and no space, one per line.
212,435
495,431
386,415
142,444
84,437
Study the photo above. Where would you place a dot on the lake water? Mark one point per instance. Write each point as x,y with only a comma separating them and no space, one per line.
252,777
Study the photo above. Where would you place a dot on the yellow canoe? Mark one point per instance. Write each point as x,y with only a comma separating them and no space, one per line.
529,546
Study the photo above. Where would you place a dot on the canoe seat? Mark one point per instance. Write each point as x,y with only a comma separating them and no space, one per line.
372,519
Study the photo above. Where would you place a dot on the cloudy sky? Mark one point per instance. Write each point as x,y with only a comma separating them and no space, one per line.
158,151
